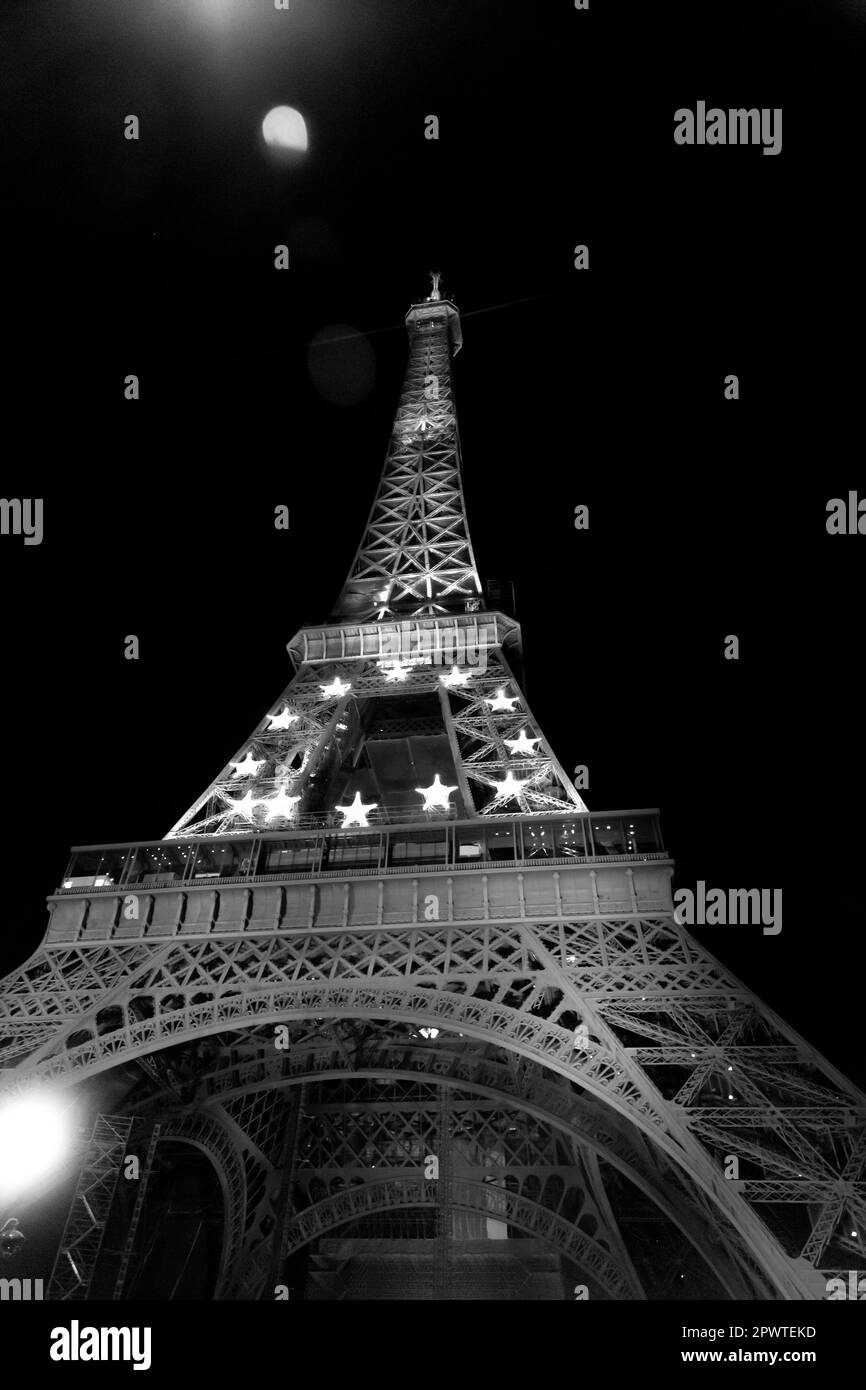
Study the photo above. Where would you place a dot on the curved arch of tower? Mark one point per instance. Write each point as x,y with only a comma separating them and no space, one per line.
433,1022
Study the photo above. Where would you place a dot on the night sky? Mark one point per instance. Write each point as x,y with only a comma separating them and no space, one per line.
605,387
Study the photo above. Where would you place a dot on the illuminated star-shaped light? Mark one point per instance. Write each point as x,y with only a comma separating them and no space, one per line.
394,671
436,795
280,805
249,766
455,676
356,814
502,701
509,787
336,688
244,807
281,720
522,744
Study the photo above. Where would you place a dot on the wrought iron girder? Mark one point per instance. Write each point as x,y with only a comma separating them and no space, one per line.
490,980
81,1242
416,553
360,1133
596,1128
529,1216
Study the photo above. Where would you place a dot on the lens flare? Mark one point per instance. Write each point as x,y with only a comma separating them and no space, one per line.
34,1137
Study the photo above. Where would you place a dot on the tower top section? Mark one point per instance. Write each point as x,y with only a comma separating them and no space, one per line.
427,313
415,558
404,706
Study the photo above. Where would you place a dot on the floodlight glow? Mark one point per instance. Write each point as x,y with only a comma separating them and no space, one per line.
283,720
284,128
455,676
248,766
523,744
502,701
244,807
35,1134
356,814
336,689
281,805
436,795
394,671
509,786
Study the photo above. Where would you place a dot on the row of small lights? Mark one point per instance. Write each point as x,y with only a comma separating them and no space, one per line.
169,856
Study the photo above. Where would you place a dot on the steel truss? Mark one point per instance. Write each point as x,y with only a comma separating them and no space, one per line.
568,995
374,1052
658,1059
283,762
416,557
81,1242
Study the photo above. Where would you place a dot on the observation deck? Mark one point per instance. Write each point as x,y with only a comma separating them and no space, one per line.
445,870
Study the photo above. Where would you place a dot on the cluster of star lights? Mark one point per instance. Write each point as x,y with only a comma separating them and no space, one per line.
280,806
436,797
510,786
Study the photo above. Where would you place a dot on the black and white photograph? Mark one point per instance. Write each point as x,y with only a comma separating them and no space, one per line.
432,545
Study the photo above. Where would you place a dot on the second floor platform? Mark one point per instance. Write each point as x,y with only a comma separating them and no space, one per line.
421,877
590,838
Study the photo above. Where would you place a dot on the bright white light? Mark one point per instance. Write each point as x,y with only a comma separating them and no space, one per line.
248,766
281,720
436,795
522,744
509,787
356,814
335,689
35,1134
284,128
280,805
244,807
429,1032
502,701
455,677
394,671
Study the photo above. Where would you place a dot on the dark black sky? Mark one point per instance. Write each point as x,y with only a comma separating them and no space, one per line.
604,388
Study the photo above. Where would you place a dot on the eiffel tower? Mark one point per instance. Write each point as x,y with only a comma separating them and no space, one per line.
433,1024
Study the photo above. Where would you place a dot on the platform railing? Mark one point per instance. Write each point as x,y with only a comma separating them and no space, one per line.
437,843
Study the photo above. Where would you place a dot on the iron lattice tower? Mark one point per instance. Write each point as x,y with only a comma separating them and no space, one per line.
425,1013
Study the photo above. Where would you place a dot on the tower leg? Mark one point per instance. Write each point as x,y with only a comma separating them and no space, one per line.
81,1242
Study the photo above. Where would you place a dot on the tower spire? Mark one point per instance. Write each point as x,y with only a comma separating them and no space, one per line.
415,558
410,622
